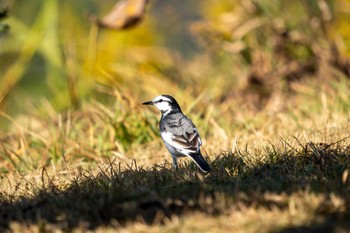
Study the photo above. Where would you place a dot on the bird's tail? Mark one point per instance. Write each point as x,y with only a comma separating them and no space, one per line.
200,161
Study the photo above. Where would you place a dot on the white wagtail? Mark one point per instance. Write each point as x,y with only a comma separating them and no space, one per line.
179,134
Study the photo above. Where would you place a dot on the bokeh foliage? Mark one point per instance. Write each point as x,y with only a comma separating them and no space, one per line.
55,52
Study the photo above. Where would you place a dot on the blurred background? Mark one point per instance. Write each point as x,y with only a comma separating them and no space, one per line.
54,56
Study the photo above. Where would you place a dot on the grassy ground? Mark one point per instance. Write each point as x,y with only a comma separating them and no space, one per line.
284,170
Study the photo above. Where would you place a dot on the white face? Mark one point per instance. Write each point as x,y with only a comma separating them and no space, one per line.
162,103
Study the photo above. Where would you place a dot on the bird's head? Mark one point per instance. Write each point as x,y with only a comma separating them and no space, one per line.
165,104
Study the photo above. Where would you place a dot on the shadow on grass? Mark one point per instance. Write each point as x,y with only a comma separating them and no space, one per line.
118,196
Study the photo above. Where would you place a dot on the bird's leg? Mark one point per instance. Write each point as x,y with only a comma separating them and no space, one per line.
175,163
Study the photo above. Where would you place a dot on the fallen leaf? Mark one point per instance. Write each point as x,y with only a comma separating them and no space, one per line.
125,14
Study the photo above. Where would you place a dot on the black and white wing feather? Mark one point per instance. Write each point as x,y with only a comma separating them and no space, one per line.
179,132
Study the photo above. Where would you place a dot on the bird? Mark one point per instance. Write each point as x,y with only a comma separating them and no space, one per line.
179,134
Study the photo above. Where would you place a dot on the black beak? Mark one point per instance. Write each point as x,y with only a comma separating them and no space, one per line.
148,103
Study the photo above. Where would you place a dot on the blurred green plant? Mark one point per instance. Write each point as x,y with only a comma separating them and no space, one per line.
52,59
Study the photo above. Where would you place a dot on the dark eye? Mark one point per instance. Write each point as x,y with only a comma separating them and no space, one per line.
160,100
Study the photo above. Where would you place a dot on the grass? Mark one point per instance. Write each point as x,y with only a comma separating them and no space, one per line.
281,172
306,188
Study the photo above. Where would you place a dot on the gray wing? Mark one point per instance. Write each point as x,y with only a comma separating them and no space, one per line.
179,131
